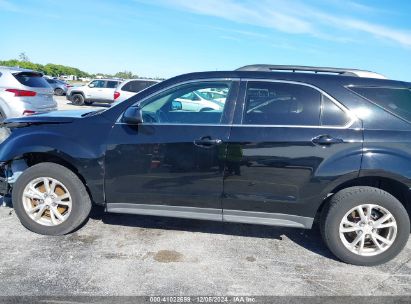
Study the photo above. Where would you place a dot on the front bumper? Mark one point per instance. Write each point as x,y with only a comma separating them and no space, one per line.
4,185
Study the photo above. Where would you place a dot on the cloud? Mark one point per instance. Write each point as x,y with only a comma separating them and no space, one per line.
294,17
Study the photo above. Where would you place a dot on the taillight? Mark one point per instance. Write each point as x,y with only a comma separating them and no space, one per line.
21,93
28,112
116,95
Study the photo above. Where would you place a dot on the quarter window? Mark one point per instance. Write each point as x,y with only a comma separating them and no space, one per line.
187,104
394,100
273,103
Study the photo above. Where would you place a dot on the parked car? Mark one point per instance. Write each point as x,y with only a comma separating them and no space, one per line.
24,92
289,148
60,87
100,90
198,101
129,88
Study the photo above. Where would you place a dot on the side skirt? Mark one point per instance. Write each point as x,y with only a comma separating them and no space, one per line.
234,216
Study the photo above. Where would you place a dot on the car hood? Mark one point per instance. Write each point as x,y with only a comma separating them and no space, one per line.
46,118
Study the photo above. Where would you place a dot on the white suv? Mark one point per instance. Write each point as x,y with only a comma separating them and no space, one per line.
24,92
130,87
101,90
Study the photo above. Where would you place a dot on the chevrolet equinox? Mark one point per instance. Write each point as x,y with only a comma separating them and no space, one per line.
289,146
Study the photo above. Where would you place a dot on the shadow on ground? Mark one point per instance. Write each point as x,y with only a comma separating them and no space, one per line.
308,239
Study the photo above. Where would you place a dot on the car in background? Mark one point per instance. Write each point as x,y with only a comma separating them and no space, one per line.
129,88
24,92
97,90
198,101
60,87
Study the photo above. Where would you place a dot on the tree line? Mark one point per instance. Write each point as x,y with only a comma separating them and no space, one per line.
56,70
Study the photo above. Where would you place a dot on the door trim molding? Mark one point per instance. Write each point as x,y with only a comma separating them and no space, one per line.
267,218
213,214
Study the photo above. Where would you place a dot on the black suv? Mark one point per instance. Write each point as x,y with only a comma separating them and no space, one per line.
278,145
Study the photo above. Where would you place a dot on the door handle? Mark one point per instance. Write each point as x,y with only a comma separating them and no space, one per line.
207,142
326,140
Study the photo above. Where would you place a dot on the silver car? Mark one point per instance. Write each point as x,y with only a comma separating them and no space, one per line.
60,87
24,92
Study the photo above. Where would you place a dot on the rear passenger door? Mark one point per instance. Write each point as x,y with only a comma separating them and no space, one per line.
289,143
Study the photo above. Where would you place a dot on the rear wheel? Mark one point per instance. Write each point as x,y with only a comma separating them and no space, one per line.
365,226
50,199
59,92
77,99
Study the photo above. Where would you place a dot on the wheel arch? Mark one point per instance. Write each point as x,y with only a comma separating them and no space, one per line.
395,185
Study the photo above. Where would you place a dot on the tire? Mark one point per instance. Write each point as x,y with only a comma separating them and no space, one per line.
88,103
77,99
341,207
80,204
59,92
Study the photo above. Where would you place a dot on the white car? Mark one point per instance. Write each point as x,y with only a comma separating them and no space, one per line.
197,101
100,90
129,88
24,92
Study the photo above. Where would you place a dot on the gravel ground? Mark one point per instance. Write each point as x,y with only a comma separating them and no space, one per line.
64,104
136,255
116,254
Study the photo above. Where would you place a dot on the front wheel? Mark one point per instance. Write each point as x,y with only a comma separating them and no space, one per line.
77,99
365,226
50,199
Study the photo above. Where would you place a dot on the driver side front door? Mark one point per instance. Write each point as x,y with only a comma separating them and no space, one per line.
172,164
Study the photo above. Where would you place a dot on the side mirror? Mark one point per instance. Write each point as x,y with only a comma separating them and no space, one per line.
91,85
133,116
176,105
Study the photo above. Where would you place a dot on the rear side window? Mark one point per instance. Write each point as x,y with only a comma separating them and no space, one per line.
272,103
394,100
33,80
111,84
137,86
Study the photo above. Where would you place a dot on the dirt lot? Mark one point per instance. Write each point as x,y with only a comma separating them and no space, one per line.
136,255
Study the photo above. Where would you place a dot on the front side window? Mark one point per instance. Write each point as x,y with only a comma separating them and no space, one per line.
394,100
98,83
187,105
274,103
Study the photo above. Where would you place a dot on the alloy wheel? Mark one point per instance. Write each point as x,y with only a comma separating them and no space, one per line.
47,201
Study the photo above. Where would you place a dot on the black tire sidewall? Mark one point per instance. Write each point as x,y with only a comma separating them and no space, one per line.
80,204
80,99
58,92
359,196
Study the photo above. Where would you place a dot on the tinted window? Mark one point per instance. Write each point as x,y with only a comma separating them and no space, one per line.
395,100
274,103
98,83
331,114
185,105
137,85
111,84
50,81
32,80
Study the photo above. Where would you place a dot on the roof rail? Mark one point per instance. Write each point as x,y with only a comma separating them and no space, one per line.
316,70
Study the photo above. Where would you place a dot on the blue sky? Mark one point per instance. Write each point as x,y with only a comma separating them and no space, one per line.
169,37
